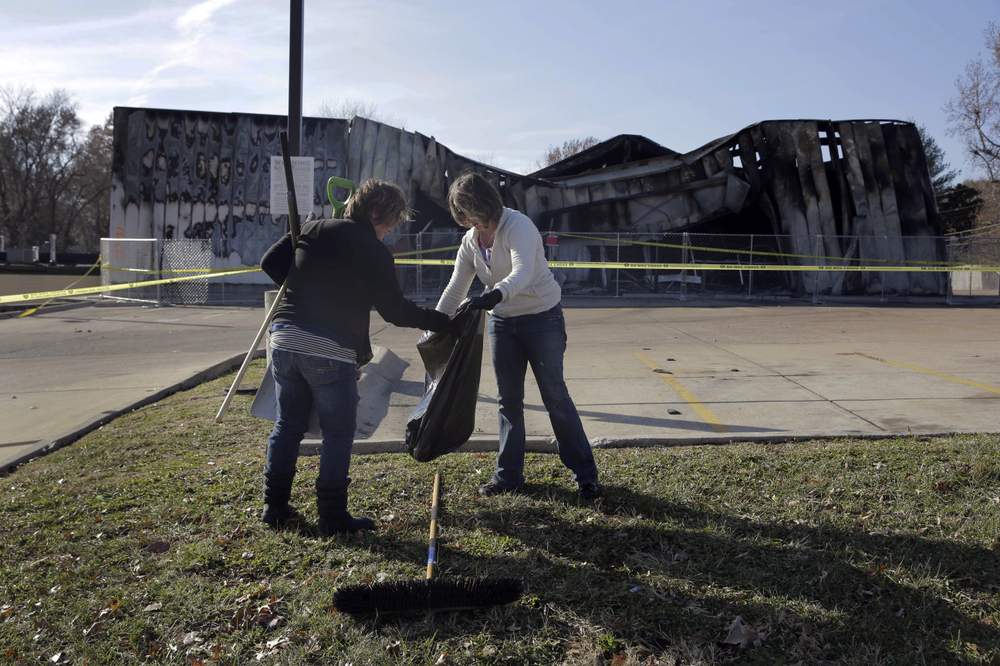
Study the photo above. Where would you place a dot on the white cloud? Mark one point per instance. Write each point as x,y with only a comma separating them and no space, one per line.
198,18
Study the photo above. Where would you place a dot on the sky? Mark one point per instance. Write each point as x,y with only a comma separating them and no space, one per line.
502,81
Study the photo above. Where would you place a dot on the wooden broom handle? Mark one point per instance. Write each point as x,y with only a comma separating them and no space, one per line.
432,548
293,229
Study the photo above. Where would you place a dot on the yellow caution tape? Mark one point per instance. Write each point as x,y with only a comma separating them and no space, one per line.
154,271
610,265
652,266
437,249
32,310
212,271
85,291
725,250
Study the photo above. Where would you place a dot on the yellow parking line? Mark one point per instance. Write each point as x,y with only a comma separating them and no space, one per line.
954,379
703,412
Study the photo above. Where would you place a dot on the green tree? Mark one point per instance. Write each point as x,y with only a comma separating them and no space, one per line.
942,175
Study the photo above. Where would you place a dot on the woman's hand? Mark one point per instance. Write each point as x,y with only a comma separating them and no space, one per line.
487,301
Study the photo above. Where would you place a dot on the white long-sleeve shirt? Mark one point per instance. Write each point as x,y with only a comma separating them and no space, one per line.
517,268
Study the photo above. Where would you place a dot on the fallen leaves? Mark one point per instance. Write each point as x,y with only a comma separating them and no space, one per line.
743,635
158,547
104,615
271,648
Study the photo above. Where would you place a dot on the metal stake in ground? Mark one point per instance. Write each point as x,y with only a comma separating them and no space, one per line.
293,229
428,594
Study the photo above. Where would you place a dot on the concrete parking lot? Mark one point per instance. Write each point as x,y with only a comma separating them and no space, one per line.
645,375
729,373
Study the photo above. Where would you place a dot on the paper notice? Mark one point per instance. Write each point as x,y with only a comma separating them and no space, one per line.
303,171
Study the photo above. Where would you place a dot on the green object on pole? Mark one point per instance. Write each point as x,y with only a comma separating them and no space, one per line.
343,183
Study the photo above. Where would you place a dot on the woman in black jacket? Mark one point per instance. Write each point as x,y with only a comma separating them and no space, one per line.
337,272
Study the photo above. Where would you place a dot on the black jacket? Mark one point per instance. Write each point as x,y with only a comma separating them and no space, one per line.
340,271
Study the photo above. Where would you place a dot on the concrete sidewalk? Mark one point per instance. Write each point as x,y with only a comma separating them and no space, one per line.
64,371
682,374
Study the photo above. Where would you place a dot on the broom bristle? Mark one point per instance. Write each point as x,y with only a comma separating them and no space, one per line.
426,595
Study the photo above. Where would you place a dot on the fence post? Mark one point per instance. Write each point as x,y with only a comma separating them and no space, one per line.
885,245
420,267
685,241
618,259
817,274
751,271
158,266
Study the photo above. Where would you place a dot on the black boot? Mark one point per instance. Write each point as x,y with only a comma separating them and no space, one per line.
277,491
331,502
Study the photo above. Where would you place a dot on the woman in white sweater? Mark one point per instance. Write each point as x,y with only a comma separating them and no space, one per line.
504,249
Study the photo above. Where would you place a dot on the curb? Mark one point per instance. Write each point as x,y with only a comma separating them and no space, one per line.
548,444
44,448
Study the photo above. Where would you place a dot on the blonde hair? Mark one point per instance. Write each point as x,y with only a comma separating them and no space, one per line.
377,200
472,197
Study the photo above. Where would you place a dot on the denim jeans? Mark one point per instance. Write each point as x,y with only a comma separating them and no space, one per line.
538,339
301,382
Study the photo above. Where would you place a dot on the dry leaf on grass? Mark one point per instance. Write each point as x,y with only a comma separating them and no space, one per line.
158,547
742,634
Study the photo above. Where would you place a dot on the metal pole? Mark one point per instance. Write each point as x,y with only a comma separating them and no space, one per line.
684,259
751,272
884,274
420,267
817,244
618,258
295,77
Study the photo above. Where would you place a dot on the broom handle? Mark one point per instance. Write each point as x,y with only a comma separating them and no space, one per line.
293,230
249,356
432,548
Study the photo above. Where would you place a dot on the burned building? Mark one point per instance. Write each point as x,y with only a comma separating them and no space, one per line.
810,191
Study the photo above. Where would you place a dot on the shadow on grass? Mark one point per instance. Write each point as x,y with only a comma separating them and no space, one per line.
685,573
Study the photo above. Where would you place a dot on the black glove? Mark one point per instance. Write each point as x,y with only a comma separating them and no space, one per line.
487,301
438,321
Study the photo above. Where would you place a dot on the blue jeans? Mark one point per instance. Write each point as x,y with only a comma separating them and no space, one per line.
302,381
538,339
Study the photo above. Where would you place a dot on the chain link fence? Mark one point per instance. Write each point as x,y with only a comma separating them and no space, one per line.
700,266
136,260
740,266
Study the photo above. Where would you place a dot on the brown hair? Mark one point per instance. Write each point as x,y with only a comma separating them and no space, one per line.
472,197
377,199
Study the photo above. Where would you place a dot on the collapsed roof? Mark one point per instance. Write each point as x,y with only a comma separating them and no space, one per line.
837,189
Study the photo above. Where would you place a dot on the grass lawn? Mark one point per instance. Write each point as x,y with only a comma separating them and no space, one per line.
140,543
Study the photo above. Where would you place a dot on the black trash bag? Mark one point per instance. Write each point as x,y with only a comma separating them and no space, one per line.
446,416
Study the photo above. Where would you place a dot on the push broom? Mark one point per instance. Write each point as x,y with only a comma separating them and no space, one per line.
429,594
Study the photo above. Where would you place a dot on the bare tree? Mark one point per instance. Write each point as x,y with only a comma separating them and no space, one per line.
974,113
51,175
88,198
39,143
568,148
349,107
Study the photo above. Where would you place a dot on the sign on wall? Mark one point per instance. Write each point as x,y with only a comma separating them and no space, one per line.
303,169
